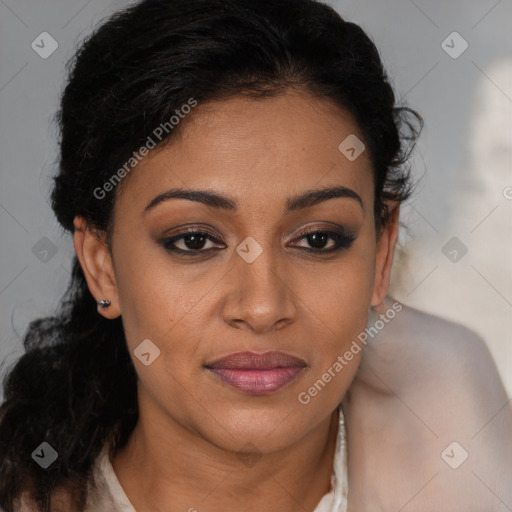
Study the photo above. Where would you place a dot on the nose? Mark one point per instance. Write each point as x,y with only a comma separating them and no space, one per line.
260,298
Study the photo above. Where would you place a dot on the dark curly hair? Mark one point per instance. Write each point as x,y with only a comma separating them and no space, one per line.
75,387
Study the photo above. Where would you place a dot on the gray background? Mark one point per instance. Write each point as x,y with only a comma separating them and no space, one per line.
463,160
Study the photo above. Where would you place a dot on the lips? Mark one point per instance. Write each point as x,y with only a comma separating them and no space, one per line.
255,361
257,374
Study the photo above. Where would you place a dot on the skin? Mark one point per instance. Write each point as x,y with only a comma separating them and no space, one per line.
183,451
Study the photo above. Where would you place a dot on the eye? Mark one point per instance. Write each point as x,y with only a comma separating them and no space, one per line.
192,241
317,239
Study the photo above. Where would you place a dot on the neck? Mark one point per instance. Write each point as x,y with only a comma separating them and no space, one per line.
182,471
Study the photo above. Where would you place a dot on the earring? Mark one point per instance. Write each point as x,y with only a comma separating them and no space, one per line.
103,304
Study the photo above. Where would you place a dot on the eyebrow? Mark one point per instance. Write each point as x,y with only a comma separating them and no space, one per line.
215,200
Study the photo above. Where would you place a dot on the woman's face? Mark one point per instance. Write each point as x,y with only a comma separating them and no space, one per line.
250,280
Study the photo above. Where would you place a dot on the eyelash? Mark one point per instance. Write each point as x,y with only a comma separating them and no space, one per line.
343,241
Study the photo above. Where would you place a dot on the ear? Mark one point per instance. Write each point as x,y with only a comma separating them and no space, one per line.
384,257
94,257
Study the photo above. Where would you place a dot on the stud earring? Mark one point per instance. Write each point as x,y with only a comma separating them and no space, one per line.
103,304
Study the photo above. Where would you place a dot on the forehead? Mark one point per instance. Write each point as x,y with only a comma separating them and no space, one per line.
256,148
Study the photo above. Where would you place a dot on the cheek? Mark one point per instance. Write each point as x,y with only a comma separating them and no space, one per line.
165,303
341,291
340,304
150,304
343,303
154,306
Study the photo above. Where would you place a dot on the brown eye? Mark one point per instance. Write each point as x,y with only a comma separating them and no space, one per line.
195,242
319,238
192,242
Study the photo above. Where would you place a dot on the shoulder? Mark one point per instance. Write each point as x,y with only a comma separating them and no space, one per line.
440,369
415,347
428,395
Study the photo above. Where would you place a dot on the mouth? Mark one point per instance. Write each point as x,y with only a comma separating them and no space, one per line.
257,374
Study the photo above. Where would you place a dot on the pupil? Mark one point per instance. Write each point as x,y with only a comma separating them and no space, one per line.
192,239
317,238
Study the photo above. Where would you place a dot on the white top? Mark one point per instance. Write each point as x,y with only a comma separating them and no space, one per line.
107,495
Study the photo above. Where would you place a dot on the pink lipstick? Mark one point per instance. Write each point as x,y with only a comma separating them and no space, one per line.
257,374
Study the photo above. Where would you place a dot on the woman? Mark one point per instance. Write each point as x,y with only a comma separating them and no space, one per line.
231,173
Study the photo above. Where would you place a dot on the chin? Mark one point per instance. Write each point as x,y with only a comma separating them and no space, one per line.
268,427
